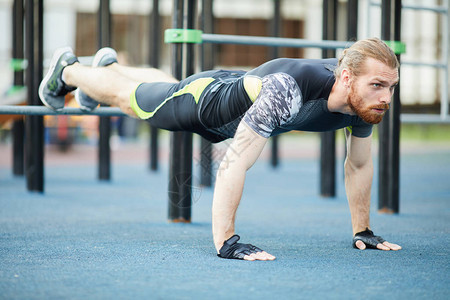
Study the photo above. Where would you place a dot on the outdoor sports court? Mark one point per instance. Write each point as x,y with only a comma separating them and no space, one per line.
84,238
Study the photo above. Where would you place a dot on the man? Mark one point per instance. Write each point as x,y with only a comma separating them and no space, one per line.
353,92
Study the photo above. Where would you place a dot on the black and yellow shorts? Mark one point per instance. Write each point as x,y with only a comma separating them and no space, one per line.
201,103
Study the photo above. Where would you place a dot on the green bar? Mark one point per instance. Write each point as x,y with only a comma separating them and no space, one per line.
18,64
396,46
183,36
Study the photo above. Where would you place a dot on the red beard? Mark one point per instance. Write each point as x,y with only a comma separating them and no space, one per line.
368,114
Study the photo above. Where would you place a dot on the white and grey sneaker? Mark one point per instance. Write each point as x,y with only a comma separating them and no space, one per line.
52,88
104,57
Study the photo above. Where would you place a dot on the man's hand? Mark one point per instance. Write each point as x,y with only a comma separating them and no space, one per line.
366,239
233,250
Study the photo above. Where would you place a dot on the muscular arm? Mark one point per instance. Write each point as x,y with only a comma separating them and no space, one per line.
358,180
358,184
240,156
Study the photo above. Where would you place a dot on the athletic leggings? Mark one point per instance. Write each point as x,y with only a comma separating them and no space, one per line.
200,103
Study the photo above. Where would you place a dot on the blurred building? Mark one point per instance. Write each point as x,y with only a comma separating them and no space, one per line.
74,23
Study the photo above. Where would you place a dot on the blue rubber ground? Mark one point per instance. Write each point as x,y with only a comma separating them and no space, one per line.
85,239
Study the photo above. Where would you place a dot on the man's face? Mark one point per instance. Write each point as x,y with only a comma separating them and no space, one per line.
371,92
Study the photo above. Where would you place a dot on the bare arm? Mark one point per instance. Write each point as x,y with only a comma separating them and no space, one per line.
358,184
241,155
358,180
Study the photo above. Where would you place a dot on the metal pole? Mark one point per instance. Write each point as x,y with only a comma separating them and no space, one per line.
352,20
384,175
18,129
180,173
394,128
34,143
104,40
207,63
389,128
275,30
154,57
352,34
328,139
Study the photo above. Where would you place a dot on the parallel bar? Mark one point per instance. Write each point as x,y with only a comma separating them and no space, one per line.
445,59
275,31
394,128
18,128
104,40
424,119
206,63
154,58
437,9
272,41
384,174
424,64
34,125
328,139
44,111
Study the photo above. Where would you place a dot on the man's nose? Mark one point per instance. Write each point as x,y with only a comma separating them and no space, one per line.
386,98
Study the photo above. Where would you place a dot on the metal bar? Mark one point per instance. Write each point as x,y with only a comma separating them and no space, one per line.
437,9
18,128
272,41
424,64
176,138
352,20
394,128
328,139
34,142
154,57
383,128
104,150
275,30
424,119
207,63
445,60
44,111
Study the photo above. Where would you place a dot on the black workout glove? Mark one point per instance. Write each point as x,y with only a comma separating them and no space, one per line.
234,250
368,238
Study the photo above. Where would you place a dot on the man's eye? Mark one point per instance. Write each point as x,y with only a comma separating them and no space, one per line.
377,85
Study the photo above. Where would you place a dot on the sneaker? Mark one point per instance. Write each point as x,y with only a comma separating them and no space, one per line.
52,88
104,57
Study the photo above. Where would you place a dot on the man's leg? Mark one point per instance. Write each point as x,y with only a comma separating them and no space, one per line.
103,84
143,74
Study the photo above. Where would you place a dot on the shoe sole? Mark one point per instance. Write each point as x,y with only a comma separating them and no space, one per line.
97,58
50,71
100,53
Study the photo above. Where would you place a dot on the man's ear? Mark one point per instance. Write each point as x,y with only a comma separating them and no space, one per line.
346,77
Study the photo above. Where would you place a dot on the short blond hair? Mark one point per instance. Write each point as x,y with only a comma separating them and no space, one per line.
353,58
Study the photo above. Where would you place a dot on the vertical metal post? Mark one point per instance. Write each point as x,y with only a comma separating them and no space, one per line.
394,128
180,173
104,150
352,20
34,143
275,30
389,128
328,139
352,34
18,129
154,57
206,63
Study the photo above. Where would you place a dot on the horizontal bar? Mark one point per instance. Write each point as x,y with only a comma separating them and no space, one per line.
43,111
424,119
272,41
424,64
437,9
